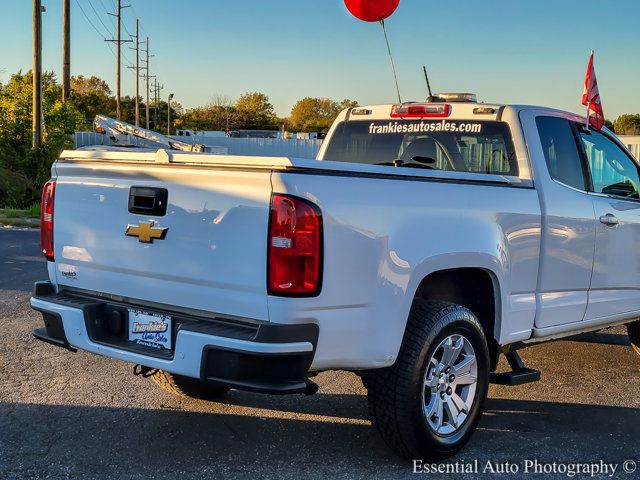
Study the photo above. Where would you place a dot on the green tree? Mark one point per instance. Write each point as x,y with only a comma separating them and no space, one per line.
255,112
159,123
628,124
85,85
22,169
609,124
92,96
220,115
316,114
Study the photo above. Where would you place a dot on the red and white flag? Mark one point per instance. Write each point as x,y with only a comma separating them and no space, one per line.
591,98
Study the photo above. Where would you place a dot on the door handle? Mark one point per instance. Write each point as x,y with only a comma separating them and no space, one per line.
609,219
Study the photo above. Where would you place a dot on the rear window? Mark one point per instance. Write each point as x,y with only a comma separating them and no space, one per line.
478,147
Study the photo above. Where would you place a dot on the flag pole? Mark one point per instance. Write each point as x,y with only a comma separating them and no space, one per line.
588,108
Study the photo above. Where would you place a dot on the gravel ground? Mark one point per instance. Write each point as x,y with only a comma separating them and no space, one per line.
65,415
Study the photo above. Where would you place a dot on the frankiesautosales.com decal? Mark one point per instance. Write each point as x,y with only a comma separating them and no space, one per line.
424,127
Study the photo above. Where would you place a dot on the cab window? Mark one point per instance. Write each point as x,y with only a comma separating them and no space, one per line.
613,172
451,145
561,151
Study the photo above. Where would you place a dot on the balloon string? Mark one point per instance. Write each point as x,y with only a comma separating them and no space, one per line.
393,66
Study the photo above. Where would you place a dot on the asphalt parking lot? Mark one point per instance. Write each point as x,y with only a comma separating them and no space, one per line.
65,415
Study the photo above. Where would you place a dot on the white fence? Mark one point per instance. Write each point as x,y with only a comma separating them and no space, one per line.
633,144
269,147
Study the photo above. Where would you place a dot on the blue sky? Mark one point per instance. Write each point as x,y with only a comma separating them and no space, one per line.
517,51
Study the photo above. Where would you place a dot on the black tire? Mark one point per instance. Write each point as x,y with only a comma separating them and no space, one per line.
634,335
188,387
395,396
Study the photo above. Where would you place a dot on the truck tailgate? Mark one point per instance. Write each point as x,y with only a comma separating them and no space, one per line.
213,254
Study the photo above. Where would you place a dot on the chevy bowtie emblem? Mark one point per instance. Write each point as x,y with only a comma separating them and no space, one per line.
146,232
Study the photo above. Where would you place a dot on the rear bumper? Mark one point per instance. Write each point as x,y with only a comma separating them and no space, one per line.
267,358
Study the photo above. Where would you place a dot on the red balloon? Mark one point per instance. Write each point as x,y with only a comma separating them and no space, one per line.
372,10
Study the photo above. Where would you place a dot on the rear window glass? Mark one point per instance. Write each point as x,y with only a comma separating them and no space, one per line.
478,147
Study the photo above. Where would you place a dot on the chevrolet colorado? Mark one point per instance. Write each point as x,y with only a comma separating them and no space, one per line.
426,240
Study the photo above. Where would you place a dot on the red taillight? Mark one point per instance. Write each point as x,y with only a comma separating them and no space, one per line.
46,219
422,110
295,247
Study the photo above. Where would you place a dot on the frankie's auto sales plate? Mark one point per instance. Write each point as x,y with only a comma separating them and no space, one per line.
150,329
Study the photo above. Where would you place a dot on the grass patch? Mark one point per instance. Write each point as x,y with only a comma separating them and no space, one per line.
11,217
34,211
12,213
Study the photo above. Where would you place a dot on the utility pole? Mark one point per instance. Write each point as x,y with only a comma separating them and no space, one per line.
155,97
137,72
160,87
169,114
155,116
37,74
137,67
156,89
119,43
147,77
66,51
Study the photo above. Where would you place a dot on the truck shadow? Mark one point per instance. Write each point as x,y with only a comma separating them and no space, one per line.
103,441
20,260
602,337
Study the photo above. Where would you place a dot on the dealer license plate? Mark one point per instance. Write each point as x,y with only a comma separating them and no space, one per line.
150,329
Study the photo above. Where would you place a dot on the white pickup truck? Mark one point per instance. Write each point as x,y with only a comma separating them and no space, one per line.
425,240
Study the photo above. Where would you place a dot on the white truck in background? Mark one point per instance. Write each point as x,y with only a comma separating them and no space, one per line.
426,239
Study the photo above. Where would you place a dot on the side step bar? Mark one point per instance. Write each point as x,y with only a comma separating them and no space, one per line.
519,374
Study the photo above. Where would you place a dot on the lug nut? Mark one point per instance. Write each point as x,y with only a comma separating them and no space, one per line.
449,391
452,378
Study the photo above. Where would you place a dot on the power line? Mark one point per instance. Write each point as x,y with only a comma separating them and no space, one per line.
118,41
125,25
135,14
99,18
147,77
126,29
113,52
89,20
127,62
137,67
107,10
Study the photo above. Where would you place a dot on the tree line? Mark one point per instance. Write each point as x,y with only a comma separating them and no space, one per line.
254,111
24,170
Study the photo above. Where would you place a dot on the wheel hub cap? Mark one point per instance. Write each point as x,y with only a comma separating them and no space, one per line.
450,382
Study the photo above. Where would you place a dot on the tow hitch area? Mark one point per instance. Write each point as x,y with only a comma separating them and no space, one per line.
309,388
519,374
143,371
